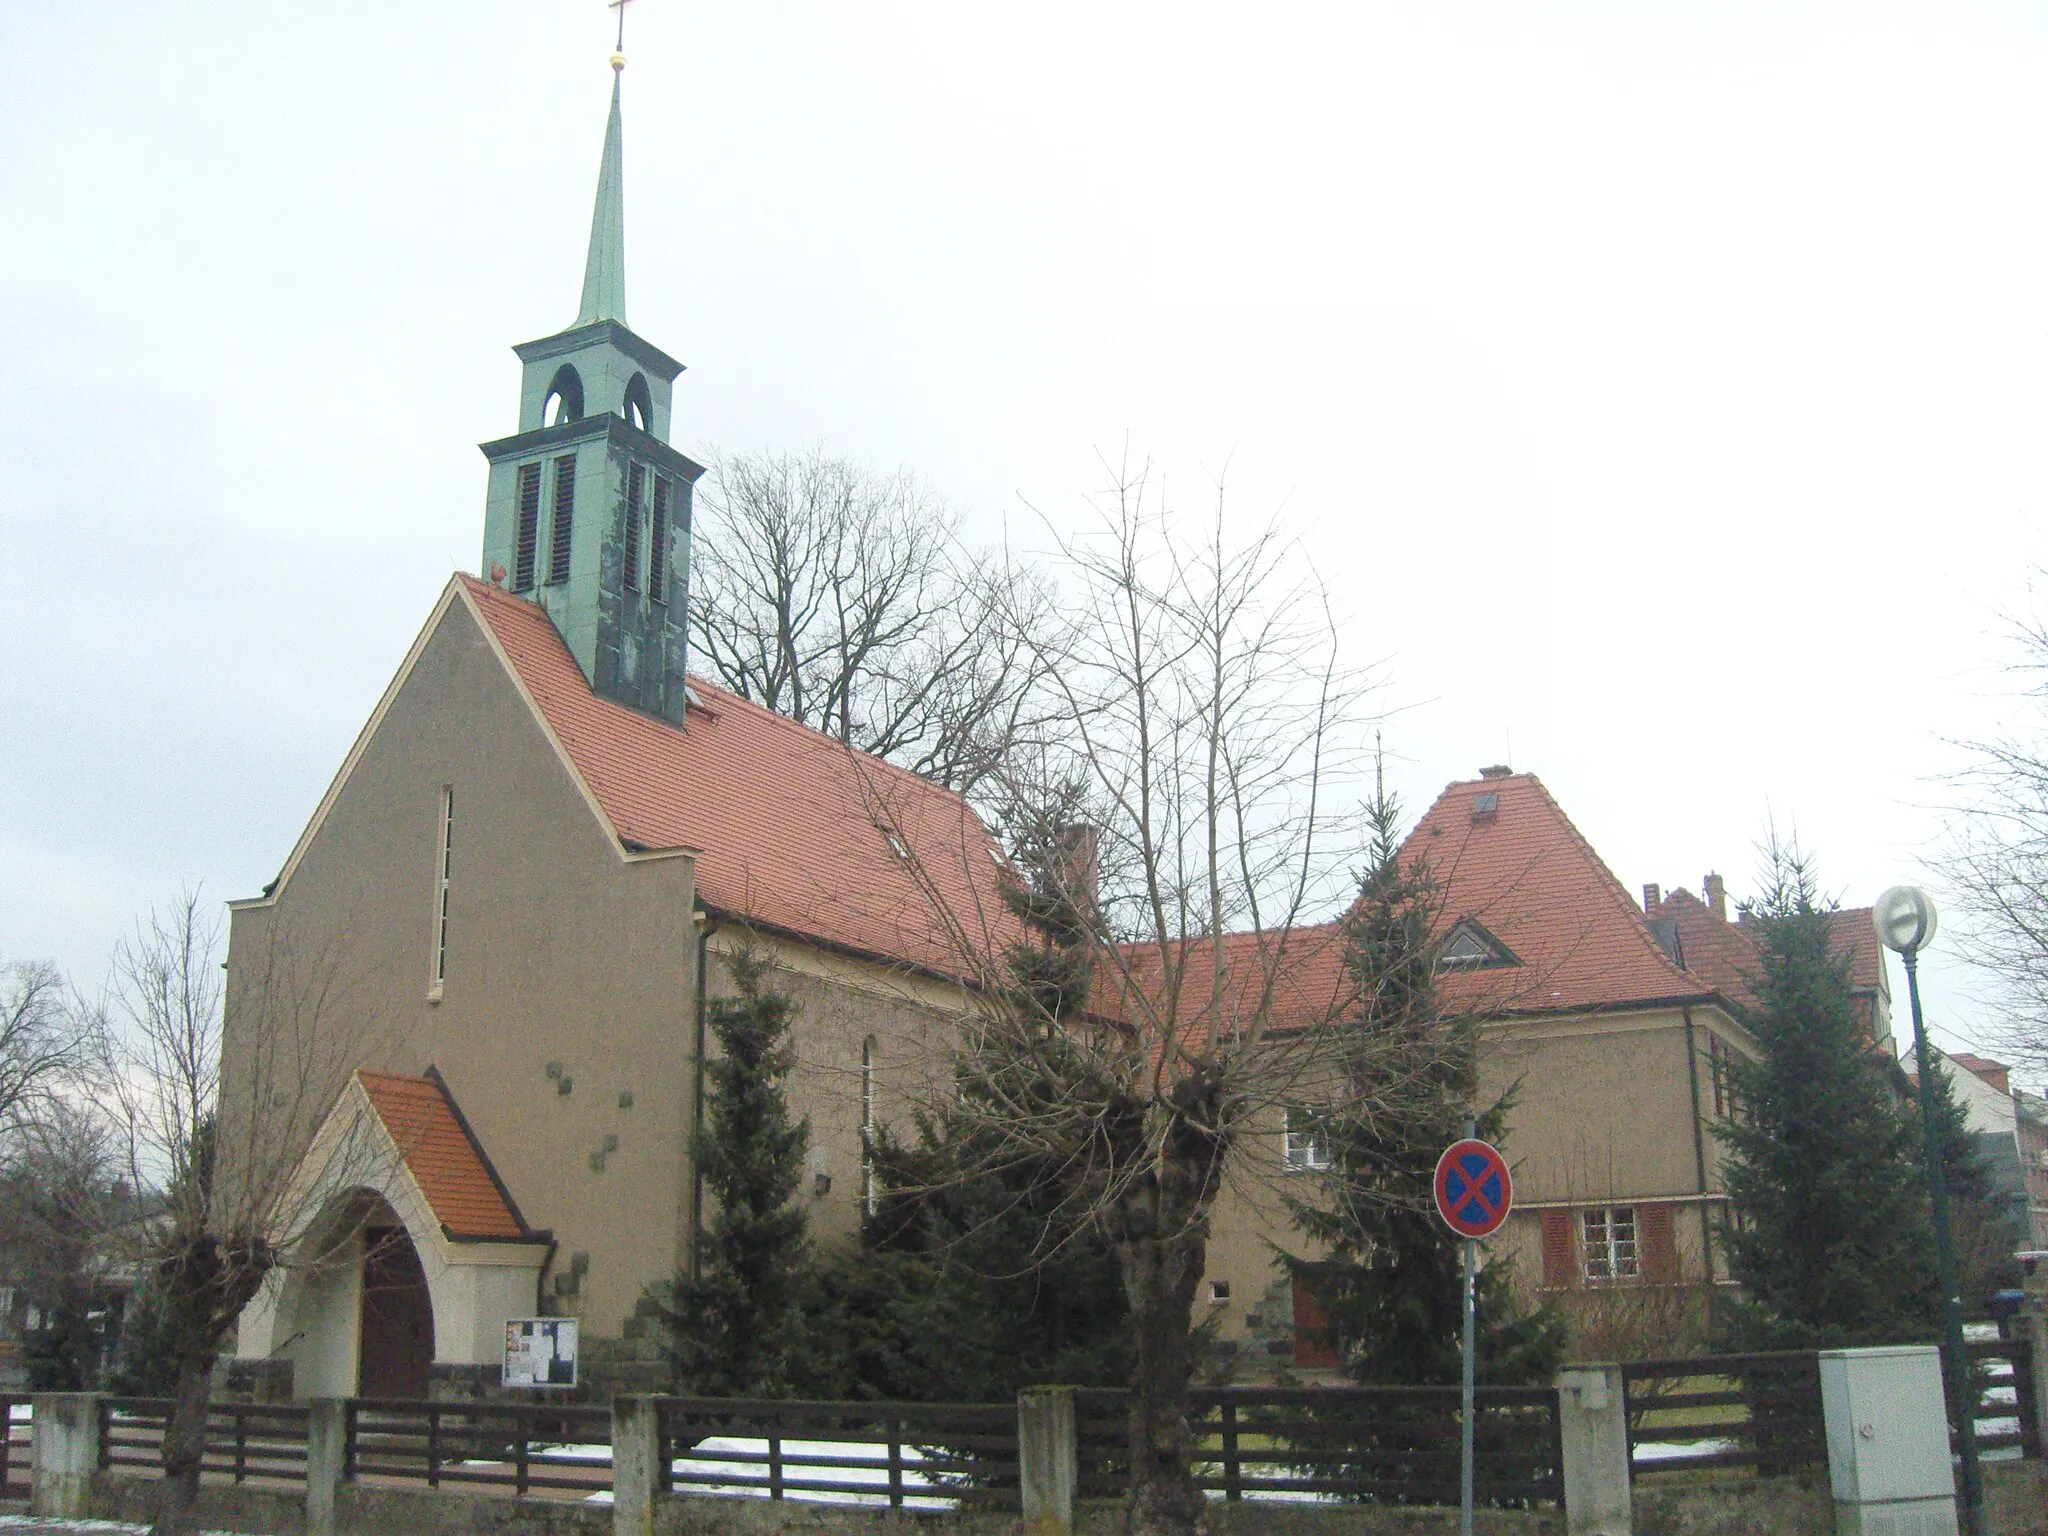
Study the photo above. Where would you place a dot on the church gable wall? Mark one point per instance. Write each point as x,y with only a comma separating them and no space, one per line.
564,1021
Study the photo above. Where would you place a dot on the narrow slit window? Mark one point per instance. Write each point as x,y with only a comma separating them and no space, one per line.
565,520
657,544
867,1126
444,871
635,482
529,528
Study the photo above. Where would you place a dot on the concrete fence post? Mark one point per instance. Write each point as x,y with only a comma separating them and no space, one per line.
636,1464
1592,1411
326,1456
67,1452
1048,1460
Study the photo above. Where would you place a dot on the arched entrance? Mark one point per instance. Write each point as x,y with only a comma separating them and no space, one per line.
355,1314
396,1337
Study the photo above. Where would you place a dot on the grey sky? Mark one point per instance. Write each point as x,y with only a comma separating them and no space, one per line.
1661,387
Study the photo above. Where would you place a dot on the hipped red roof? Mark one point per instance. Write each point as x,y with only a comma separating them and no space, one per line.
1526,875
787,823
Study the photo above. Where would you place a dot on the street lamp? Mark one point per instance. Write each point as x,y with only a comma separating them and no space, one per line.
1905,920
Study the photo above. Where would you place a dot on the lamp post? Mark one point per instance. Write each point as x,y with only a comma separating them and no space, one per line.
1905,919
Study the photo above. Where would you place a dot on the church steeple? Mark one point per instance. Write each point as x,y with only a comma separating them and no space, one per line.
588,509
604,270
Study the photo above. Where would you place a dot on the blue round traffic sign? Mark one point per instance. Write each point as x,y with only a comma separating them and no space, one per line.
1474,1190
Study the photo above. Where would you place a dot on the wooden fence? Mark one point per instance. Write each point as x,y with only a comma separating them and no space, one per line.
244,1441
1384,1445
907,1455
1756,1410
524,1447
2002,1374
16,1446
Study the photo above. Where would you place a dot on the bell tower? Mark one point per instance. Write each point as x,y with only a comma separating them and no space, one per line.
588,508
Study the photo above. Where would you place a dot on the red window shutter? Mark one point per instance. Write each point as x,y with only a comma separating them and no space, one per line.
1660,1244
1315,1342
1559,1270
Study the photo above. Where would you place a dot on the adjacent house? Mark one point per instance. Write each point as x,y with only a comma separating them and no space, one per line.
1609,1023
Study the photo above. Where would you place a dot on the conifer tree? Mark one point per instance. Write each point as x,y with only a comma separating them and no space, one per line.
734,1321
978,1274
1390,1273
1832,1242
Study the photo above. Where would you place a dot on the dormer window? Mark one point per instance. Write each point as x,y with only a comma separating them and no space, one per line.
1469,947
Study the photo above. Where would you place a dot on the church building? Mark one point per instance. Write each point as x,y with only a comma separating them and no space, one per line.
512,902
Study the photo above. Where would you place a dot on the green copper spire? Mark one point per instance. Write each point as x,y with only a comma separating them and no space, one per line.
604,272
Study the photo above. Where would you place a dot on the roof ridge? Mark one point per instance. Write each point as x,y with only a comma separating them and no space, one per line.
1638,919
780,721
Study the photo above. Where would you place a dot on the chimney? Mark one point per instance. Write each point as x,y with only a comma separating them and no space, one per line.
1496,771
1653,897
1080,873
1717,896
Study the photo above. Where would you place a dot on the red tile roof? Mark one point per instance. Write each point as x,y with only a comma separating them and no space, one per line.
1311,984
1997,1073
443,1157
1525,874
787,823
1724,953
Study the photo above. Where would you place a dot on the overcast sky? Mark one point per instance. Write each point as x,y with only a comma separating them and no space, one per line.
1661,387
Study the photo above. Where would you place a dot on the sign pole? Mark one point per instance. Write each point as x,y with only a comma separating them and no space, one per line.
1471,1350
1465,1467
1474,1193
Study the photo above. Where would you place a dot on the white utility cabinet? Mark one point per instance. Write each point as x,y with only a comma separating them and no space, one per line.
1888,1455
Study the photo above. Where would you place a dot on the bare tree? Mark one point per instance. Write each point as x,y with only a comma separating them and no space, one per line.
1148,988
227,1149
1996,858
41,1042
844,598
61,1197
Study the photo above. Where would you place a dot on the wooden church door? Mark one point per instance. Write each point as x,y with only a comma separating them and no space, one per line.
397,1339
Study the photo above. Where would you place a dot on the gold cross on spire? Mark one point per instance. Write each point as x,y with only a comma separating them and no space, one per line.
619,48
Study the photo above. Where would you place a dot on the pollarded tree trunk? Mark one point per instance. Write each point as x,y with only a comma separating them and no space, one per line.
1160,1230
185,1442
1160,1275
207,1283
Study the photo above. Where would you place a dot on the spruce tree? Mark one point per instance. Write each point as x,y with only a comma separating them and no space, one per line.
734,1322
1831,1242
977,1275
1390,1273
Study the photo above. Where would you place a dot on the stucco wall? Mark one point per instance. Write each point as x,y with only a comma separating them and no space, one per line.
559,950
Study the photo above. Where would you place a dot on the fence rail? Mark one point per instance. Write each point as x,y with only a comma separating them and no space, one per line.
1757,1410
244,1441
907,1455
1388,1445
17,1446
526,1447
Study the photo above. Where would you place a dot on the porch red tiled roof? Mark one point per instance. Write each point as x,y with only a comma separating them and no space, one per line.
442,1156
788,824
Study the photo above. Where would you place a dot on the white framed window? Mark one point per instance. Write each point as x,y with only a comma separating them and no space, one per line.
444,869
1307,1145
1610,1250
867,1125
